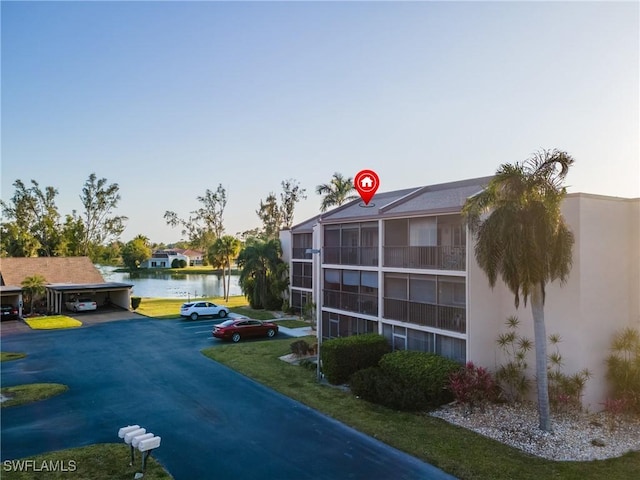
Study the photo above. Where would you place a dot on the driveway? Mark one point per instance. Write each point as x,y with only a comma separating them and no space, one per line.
214,422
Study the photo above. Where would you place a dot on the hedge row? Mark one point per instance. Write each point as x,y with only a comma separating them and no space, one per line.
406,380
342,357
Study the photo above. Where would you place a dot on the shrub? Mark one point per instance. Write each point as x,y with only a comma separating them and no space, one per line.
376,386
135,302
565,391
342,357
421,377
511,375
472,386
175,263
623,368
300,347
308,364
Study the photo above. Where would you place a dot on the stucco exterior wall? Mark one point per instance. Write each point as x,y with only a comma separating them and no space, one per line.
599,298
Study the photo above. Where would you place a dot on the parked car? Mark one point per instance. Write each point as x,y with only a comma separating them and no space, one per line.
81,305
236,328
9,312
194,310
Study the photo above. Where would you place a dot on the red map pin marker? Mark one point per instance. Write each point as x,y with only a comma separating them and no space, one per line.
366,183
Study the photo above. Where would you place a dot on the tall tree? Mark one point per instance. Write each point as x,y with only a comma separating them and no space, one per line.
337,192
263,273
72,236
204,224
223,251
291,194
522,237
99,200
33,220
136,251
271,216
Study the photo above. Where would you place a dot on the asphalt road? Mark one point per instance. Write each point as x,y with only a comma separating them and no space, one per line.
214,422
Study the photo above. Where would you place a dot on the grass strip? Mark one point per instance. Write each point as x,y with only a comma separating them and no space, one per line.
458,451
107,461
9,356
169,308
52,322
293,323
31,392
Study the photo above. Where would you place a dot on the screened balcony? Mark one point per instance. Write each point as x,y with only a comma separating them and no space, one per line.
351,302
351,255
437,258
429,315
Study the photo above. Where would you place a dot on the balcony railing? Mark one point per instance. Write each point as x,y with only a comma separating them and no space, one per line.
428,315
440,258
351,255
352,302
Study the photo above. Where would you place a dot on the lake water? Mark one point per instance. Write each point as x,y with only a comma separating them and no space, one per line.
171,285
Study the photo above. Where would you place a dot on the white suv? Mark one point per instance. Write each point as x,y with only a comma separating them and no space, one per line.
194,310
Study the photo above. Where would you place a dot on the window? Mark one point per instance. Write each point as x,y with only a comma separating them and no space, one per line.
420,341
423,232
332,279
395,286
369,282
422,288
453,348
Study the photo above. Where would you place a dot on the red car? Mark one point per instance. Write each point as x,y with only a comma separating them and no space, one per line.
236,328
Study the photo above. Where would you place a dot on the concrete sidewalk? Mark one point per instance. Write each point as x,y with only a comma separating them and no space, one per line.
297,332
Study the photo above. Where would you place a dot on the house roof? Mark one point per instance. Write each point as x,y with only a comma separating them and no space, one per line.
306,226
76,270
189,252
430,199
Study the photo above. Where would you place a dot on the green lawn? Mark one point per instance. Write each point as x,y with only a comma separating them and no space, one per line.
164,308
460,452
52,322
293,323
109,461
30,392
8,356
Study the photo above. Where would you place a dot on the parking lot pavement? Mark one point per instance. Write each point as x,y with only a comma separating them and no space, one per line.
102,315
214,422
197,327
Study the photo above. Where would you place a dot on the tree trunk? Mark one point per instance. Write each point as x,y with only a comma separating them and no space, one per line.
540,333
228,281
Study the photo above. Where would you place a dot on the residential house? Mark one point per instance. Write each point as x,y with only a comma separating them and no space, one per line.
196,257
65,277
404,266
164,259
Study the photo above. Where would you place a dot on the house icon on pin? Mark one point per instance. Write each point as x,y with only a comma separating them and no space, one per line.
366,182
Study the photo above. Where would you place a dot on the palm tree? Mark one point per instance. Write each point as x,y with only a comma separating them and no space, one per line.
263,273
34,286
222,252
526,241
338,191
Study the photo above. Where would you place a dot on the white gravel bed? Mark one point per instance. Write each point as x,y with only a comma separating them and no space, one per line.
574,436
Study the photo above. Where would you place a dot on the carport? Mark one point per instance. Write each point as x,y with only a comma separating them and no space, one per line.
104,294
12,295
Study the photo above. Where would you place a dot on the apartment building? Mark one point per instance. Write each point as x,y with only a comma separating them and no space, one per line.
403,266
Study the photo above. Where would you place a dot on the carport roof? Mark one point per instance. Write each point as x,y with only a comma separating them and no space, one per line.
54,269
10,289
65,287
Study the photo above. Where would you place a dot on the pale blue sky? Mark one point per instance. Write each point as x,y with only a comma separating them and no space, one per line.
168,99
